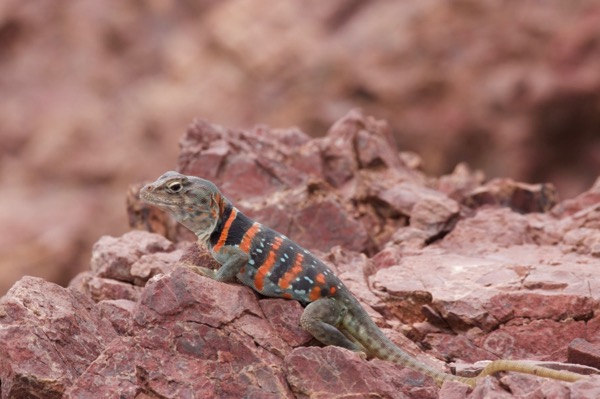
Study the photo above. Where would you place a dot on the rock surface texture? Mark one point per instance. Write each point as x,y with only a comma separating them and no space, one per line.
453,269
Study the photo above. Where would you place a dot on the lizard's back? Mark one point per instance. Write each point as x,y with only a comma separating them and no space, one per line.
277,266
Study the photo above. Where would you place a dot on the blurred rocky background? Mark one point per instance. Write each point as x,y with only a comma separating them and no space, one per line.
95,96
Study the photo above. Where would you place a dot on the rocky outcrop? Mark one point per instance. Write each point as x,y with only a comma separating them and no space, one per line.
93,102
453,269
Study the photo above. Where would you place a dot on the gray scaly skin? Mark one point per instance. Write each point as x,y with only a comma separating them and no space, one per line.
276,266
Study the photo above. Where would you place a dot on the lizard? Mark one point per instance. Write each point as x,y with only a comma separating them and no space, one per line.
275,266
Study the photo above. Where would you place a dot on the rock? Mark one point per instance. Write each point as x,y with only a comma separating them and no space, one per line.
192,336
283,317
586,388
49,335
104,288
118,312
581,351
453,390
460,183
428,210
292,182
539,339
447,280
114,258
520,197
328,372
490,226
340,229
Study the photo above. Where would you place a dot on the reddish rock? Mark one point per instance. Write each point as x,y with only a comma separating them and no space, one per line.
284,318
292,182
520,197
323,373
104,288
495,226
434,216
588,388
585,200
461,182
489,281
464,348
536,340
247,164
453,390
192,336
428,210
114,258
118,312
49,335
340,229
583,352
490,388
150,265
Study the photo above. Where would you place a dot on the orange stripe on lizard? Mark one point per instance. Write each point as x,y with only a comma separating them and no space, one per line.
285,281
320,278
261,273
314,294
248,237
225,231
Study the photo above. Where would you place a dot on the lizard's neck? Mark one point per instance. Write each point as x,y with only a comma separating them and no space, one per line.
230,227
214,223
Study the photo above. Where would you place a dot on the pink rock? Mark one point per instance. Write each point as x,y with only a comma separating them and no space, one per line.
586,200
465,284
357,142
581,351
49,336
497,226
150,265
454,390
434,215
113,258
182,291
588,388
489,388
540,339
192,336
278,177
118,312
99,289
333,371
520,197
310,230
284,318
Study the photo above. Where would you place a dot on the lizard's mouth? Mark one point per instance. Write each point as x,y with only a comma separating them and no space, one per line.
147,196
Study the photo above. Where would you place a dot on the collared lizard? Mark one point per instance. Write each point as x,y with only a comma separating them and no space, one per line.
276,266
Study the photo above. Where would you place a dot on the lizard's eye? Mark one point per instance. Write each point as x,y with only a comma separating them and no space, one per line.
175,186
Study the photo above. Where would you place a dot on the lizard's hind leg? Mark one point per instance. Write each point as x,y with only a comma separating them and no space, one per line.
321,318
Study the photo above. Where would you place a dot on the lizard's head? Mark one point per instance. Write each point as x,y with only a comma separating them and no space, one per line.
196,203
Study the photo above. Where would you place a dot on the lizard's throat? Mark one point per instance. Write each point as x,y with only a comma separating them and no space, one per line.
204,236
202,227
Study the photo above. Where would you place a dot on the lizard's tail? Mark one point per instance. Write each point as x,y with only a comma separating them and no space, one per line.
364,330
391,352
526,367
360,326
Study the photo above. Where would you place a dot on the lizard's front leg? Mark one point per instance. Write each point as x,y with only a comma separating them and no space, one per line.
321,318
232,260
